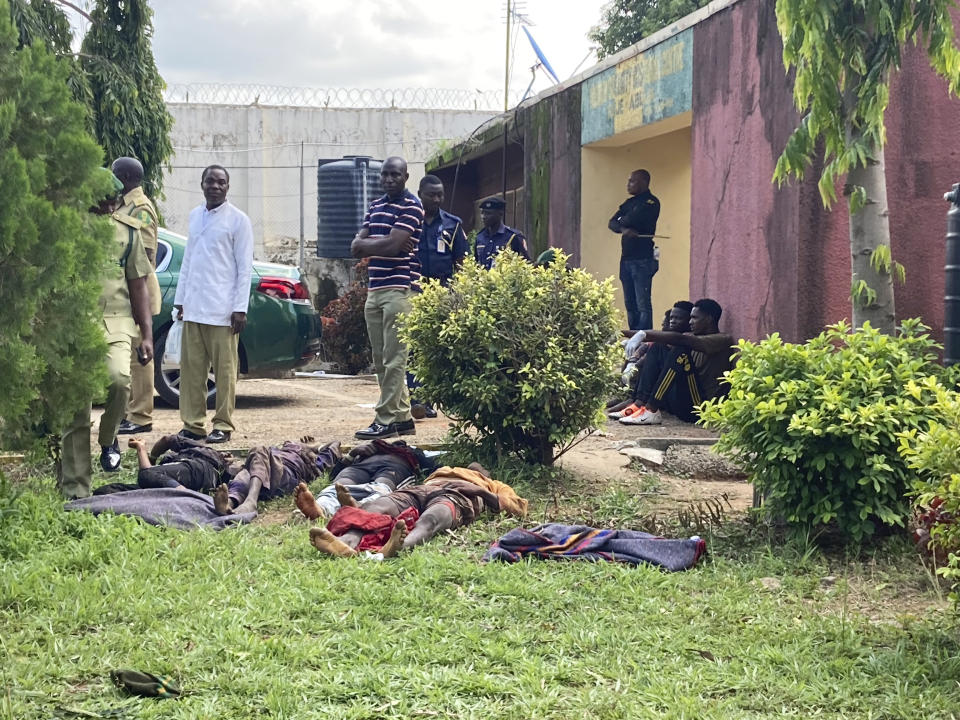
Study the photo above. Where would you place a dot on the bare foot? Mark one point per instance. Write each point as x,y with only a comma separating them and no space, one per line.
326,542
395,543
305,502
221,500
344,497
307,439
135,443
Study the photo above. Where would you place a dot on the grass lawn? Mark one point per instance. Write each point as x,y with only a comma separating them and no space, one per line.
253,623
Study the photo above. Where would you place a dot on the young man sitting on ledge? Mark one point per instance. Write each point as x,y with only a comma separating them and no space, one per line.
688,374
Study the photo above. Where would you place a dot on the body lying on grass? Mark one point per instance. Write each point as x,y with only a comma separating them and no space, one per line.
268,472
450,498
370,471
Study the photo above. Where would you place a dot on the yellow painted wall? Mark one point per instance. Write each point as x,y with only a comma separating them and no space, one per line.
605,170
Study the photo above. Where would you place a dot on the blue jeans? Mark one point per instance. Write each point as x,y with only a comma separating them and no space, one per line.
637,279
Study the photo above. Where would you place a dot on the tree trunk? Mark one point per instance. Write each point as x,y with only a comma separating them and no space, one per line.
869,229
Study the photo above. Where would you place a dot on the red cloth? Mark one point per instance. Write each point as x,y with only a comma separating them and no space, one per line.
376,527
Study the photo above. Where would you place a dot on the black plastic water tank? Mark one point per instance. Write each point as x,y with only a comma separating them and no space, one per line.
345,189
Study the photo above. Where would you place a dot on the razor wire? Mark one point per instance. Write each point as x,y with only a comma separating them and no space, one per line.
373,98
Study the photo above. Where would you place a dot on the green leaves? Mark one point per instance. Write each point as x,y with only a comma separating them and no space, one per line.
625,22
931,450
521,356
819,426
842,55
51,249
130,117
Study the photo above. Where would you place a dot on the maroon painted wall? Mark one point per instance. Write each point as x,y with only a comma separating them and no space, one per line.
744,234
775,259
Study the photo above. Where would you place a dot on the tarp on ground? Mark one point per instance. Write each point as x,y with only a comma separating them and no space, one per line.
554,541
180,509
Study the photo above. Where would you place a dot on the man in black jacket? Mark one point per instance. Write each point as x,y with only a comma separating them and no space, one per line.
636,223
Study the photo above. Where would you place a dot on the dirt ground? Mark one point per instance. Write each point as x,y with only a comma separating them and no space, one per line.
272,410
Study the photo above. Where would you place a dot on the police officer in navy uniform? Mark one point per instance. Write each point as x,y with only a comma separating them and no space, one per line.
443,246
443,243
495,236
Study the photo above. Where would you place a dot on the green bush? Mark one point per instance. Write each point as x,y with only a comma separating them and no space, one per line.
521,357
817,425
52,250
934,452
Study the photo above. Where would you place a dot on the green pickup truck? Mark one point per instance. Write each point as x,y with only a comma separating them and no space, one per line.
283,329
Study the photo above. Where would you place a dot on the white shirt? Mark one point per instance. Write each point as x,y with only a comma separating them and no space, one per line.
215,273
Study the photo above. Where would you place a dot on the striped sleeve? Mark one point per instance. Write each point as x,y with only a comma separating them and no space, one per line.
411,219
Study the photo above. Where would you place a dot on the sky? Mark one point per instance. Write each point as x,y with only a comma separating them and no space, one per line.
366,43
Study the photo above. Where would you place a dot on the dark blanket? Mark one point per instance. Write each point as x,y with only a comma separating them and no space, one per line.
180,509
579,542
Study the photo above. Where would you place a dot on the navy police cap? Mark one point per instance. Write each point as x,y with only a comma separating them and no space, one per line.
492,203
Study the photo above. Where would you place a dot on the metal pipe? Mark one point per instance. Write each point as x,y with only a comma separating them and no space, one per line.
951,314
302,240
503,165
506,65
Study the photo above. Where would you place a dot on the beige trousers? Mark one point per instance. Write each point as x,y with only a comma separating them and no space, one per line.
389,354
140,407
204,346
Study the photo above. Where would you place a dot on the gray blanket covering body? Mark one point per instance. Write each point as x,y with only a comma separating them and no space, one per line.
180,509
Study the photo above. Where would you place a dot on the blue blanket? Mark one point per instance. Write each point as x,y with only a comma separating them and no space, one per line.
580,542
181,509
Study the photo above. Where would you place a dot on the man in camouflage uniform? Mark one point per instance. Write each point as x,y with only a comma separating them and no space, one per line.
125,304
137,205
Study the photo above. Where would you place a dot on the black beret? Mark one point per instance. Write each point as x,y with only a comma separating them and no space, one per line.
492,203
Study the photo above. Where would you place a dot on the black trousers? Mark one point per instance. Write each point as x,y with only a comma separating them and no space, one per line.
669,379
193,473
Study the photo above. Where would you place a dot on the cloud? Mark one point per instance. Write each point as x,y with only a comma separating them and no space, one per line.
360,43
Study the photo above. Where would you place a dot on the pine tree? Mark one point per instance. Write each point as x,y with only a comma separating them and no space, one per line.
52,250
129,115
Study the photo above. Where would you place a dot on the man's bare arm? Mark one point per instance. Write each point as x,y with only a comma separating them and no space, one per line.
687,340
143,459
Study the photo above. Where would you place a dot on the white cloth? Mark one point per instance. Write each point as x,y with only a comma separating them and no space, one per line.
633,344
215,273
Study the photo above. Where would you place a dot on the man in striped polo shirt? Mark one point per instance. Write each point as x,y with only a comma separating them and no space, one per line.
389,237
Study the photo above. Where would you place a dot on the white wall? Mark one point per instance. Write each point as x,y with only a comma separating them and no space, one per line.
260,146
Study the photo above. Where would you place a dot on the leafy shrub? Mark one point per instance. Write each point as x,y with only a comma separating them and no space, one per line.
521,357
52,250
934,452
345,342
817,425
